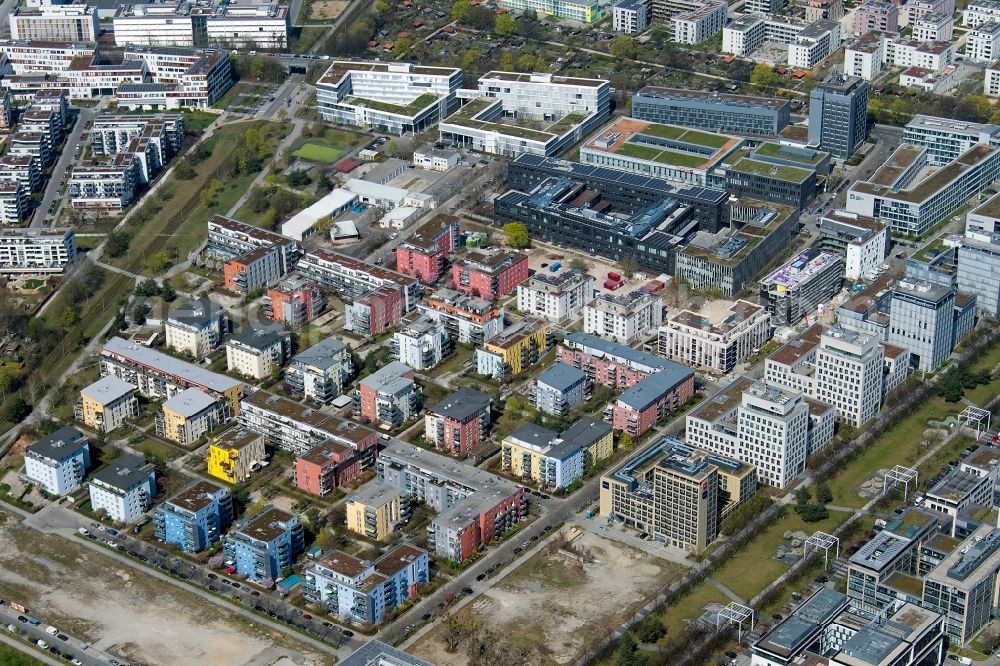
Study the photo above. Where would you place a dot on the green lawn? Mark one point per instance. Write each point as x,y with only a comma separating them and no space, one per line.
197,121
988,360
33,283
898,446
317,153
157,449
752,568
934,464
11,657
690,606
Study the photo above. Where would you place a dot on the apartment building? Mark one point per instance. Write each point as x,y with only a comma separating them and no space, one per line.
458,423
196,327
863,242
253,258
698,25
160,377
514,349
979,12
258,353
353,279
376,510
468,319
420,342
109,187
24,169
235,454
387,97
609,363
188,415
124,490
934,27
554,460
585,12
919,8
838,115
262,547
13,202
676,492
630,16
58,462
555,297
54,23
320,372
389,396
814,43
651,400
490,276
866,56
295,301
195,518
799,286
107,404
363,592
983,43
714,112
474,507
425,252
325,467
24,250
880,15
695,340
180,78
152,139
559,389
624,318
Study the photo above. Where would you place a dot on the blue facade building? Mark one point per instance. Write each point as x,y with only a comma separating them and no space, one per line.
194,518
263,546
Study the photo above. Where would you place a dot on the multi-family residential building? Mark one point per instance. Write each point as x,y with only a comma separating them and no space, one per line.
376,510
124,490
651,400
559,389
554,460
922,321
866,56
194,518
387,97
458,423
364,592
934,27
258,353
262,547
13,202
676,492
24,169
468,319
55,23
108,187
49,57
181,23
513,350
880,15
980,11
814,43
698,25
58,461
425,252
624,318
586,12
188,415
295,301
862,241
934,56
107,404
420,342
160,377
474,507
389,396
715,112
353,279
24,250
253,258
235,454
555,297
798,287
838,115
196,327
919,8
325,467
320,372
153,140
695,340
490,276
630,16
983,43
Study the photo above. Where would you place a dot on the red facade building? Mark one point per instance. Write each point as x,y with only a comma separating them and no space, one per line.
459,422
374,313
425,253
324,467
490,276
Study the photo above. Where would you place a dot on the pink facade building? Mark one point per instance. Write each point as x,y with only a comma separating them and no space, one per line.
323,468
879,15
389,396
648,402
490,276
425,254
374,313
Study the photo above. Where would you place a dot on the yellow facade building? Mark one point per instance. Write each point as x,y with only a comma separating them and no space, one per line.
189,415
554,460
235,454
107,404
376,510
514,350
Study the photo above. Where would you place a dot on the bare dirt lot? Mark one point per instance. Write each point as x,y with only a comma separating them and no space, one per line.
574,603
326,10
124,612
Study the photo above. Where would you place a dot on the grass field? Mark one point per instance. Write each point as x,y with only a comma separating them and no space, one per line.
157,449
317,153
33,283
11,657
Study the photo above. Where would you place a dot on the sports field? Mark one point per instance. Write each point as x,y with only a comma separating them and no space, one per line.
316,153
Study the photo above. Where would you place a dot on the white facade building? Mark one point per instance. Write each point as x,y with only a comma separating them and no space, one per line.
630,16
258,353
623,318
555,297
420,342
983,43
25,250
814,43
124,489
694,340
58,461
696,26
180,23
979,12
196,327
934,27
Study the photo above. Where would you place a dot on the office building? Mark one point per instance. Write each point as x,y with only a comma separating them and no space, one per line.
295,301
790,181
235,454
258,353
676,492
196,327
262,547
425,252
630,16
468,319
160,377
542,456
189,415
420,342
459,423
124,490
377,652
568,108
262,25
717,345
389,396
713,112
796,289
559,389
555,297
963,586
107,404
194,518
179,78
24,250
946,140
54,23
473,507
922,320
320,372
376,510
58,461
513,350
624,318
838,115
979,270
861,241
363,592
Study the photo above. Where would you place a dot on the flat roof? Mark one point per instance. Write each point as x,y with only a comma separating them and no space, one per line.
159,361
462,404
783,172
375,494
189,402
196,496
390,378
377,653
797,347
125,473
59,445
265,526
107,389
561,377
236,437
933,183
338,68
543,78
667,144
321,354
738,100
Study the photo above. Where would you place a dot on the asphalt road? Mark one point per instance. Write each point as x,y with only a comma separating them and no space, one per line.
71,646
62,166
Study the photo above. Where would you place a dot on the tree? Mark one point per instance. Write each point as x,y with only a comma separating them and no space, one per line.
628,654
159,262
823,493
167,292
258,200
803,495
623,46
762,76
651,630
117,243
392,147
469,58
455,633
298,178
459,9
628,265
480,18
16,411
148,287
139,314
68,317
506,62
516,234
402,46
184,170
526,63
323,183
505,25
383,6
625,442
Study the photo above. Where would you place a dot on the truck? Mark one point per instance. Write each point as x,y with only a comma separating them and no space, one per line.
555,267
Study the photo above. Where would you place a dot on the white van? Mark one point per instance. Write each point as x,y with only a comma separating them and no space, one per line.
51,631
